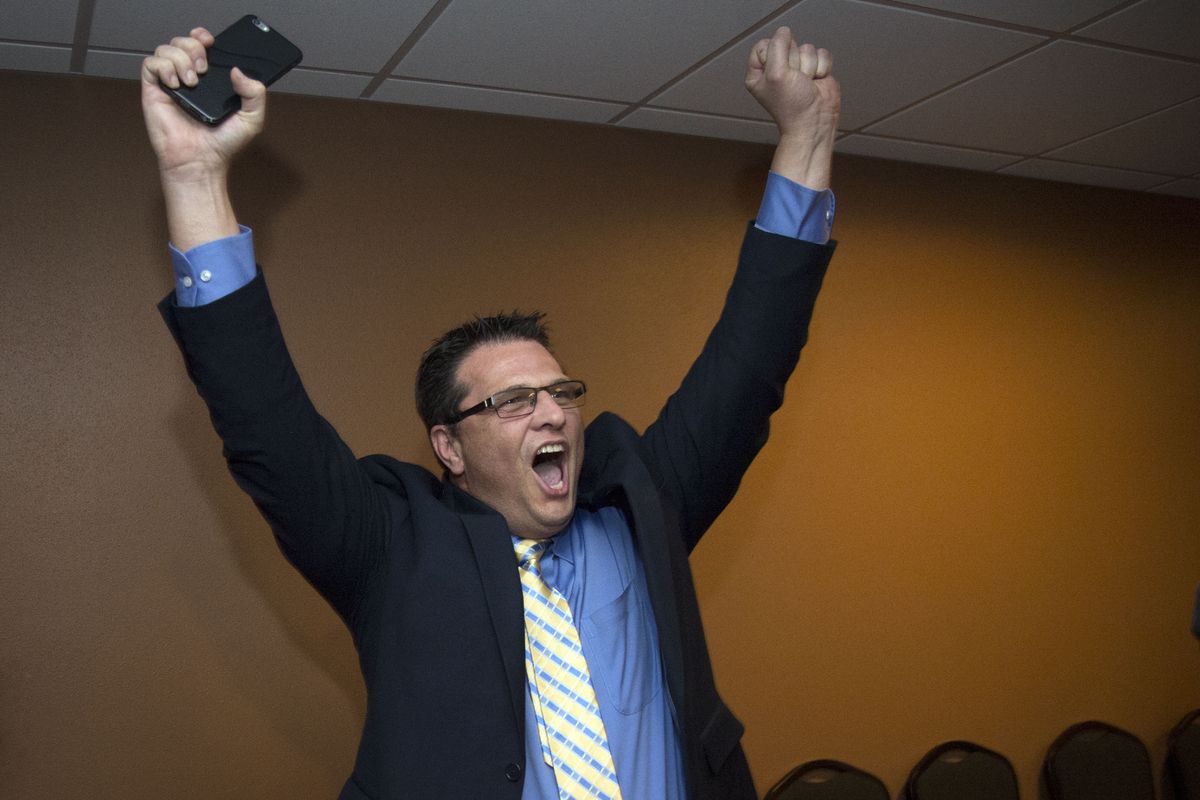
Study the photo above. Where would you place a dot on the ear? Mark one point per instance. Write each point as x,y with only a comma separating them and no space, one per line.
448,449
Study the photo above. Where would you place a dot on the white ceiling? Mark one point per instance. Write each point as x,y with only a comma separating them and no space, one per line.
1103,92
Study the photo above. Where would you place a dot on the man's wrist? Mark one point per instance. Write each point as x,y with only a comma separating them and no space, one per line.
805,157
198,207
194,173
804,154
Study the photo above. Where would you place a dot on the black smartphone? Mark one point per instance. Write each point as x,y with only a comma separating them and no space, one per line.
252,46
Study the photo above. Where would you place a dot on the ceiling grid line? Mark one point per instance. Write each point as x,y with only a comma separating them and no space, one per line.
1036,90
1068,35
974,19
405,48
1117,9
528,92
865,127
1126,48
83,32
1117,127
698,65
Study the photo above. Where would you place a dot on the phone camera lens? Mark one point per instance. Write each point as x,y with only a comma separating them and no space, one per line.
262,26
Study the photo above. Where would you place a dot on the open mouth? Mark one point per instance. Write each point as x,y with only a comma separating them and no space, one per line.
550,464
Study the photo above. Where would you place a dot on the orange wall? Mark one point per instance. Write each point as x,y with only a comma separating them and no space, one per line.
977,517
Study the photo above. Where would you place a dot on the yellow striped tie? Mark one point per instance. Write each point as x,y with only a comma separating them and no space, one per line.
572,733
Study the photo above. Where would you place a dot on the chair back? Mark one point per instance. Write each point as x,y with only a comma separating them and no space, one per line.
1181,778
961,770
1096,761
826,779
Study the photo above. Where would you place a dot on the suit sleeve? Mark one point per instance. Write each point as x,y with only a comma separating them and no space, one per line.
712,427
330,519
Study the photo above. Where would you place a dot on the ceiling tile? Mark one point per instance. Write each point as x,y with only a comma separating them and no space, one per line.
107,64
1188,187
1058,15
1166,142
701,125
351,35
49,21
917,53
1056,95
493,101
34,58
323,84
1078,173
618,50
899,150
1169,26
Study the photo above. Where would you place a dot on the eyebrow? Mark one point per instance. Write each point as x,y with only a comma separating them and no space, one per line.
555,382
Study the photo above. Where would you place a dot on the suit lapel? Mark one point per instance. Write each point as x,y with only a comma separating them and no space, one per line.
497,564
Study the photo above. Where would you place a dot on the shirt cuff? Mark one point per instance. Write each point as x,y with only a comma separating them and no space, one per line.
791,209
214,269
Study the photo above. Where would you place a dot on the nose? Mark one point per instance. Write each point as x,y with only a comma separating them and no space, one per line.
548,412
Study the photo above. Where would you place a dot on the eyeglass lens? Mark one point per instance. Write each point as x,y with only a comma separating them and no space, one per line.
521,401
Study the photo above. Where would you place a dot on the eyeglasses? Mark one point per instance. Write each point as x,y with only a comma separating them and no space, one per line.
521,401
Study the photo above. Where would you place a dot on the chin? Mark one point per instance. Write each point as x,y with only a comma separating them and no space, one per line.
555,528
553,525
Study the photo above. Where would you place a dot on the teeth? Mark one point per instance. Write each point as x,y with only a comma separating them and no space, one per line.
550,448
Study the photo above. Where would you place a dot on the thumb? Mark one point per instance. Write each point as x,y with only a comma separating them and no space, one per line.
252,92
756,63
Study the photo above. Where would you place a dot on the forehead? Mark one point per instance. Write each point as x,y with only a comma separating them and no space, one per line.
491,368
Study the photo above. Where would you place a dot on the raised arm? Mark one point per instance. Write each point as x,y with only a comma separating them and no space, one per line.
710,430
193,158
327,514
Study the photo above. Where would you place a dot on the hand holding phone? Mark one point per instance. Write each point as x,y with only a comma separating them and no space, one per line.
184,147
251,45
194,159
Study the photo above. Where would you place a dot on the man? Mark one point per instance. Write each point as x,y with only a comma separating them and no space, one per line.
526,626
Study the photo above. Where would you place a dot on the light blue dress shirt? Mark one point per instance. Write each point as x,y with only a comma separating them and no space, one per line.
593,562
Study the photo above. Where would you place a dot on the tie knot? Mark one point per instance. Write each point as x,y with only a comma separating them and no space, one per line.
529,553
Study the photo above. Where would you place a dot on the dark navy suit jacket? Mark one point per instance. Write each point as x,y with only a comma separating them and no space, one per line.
423,574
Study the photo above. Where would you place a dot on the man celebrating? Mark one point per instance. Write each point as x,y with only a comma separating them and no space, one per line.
527,625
